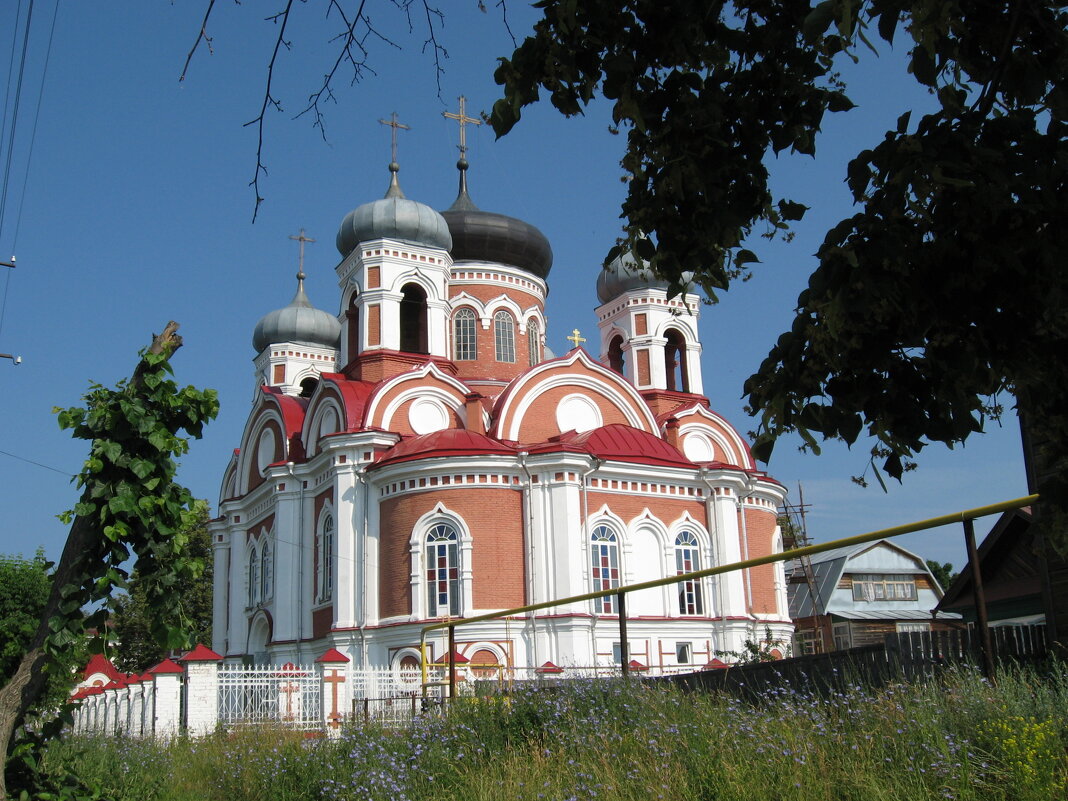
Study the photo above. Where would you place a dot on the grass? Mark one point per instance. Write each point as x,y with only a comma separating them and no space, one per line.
957,738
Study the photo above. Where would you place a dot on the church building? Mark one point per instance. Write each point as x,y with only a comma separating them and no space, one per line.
421,455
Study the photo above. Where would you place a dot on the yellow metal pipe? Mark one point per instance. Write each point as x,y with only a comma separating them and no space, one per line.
885,533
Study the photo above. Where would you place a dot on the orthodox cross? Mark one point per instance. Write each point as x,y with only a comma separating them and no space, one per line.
300,264
463,119
392,123
575,339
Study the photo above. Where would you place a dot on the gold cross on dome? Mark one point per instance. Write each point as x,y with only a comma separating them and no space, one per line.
302,239
575,339
392,123
463,119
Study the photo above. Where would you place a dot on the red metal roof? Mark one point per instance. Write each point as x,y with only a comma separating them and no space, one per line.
201,654
618,442
166,666
333,655
98,663
448,442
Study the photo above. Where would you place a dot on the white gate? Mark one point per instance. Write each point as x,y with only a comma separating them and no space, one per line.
288,695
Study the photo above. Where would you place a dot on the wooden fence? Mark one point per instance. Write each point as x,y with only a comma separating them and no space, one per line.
902,656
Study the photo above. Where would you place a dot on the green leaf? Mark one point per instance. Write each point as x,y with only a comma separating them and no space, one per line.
743,257
817,21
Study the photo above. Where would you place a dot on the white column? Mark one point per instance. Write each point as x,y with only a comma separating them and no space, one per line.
222,586
348,528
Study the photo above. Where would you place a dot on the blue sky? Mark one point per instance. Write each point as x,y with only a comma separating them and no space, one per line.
137,210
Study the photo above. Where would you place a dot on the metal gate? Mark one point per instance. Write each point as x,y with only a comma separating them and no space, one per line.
288,695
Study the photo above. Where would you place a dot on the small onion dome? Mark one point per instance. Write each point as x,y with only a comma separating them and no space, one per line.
299,322
625,273
484,236
393,217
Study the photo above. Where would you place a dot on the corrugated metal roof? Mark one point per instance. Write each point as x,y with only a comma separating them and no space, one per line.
893,614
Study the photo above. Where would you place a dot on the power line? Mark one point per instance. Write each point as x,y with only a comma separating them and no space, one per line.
38,464
15,114
33,136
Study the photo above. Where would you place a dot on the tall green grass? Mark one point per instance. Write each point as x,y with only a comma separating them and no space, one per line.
958,738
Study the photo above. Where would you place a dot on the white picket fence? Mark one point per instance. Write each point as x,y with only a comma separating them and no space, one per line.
198,694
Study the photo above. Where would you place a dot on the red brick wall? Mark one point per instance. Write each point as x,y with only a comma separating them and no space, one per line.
759,527
539,420
628,507
494,518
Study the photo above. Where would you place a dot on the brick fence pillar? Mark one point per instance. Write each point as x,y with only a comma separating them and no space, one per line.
167,697
201,690
334,678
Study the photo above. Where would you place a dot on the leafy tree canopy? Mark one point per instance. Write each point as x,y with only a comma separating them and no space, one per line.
943,291
140,629
24,589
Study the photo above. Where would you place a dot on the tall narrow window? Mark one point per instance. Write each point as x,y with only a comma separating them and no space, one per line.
504,336
413,313
266,572
352,325
615,354
604,551
326,559
533,342
688,560
253,577
464,347
443,571
675,369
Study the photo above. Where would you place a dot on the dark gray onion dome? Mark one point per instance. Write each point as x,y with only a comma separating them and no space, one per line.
484,236
625,273
393,217
299,322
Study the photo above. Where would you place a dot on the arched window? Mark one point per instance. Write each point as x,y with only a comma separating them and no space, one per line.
688,560
533,342
253,577
604,563
463,335
326,558
352,322
443,571
675,361
615,354
504,336
266,573
413,313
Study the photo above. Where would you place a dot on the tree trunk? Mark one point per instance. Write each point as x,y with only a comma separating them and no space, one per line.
25,686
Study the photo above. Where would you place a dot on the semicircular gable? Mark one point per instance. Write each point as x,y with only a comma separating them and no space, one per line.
705,436
533,407
418,402
228,488
271,435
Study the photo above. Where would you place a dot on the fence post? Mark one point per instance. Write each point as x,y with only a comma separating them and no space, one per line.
201,690
333,678
167,698
979,599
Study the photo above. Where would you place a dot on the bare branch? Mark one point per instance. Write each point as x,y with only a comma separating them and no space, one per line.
268,100
432,41
202,36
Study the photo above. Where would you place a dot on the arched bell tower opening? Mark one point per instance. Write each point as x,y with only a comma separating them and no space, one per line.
615,355
675,368
352,327
413,319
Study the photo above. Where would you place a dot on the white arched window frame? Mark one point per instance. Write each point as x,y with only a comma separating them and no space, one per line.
533,341
504,336
688,560
253,577
444,580
604,567
325,557
266,572
464,342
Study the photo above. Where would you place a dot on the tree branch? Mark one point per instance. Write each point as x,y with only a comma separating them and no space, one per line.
202,36
268,100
